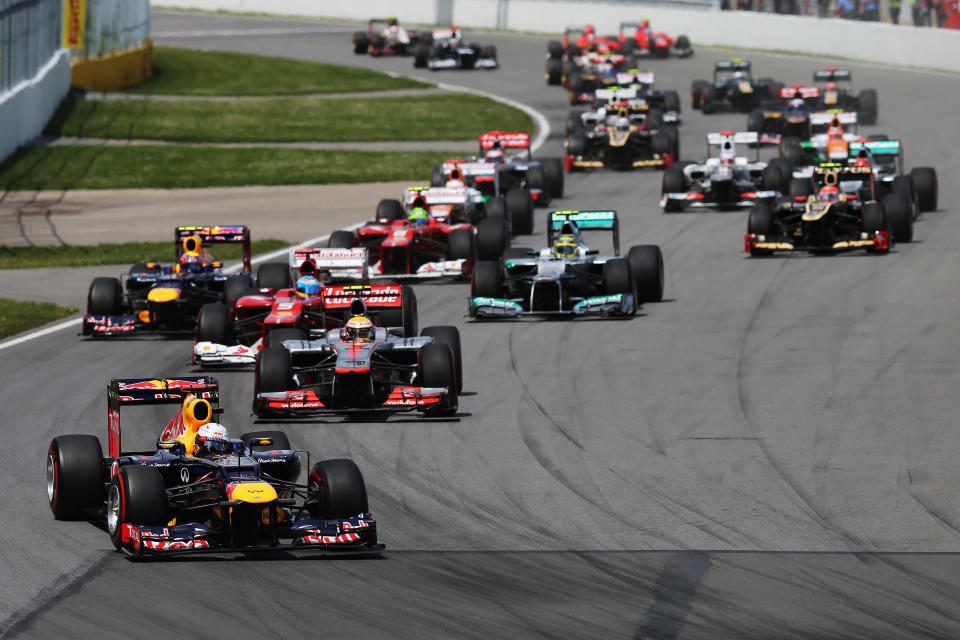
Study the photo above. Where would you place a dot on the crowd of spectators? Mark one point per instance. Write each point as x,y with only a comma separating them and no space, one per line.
923,13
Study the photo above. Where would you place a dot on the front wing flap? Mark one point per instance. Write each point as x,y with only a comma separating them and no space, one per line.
212,354
607,305
306,402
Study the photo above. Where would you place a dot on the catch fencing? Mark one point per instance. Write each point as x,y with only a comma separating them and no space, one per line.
29,38
113,26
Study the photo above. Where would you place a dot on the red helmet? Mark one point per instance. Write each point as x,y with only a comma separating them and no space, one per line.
829,194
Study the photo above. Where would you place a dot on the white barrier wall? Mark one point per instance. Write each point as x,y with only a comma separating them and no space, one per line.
26,108
869,42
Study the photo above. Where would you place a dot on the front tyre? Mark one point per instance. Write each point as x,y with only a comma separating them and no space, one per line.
137,495
646,263
337,490
75,478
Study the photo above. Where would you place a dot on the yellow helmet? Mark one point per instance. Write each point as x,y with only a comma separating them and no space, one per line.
565,247
358,328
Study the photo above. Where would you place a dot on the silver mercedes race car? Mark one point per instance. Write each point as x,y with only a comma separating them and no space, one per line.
568,277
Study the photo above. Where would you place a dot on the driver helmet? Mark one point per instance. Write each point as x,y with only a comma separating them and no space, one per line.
418,216
829,194
192,250
728,157
739,75
212,440
308,286
358,328
456,178
565,247
496,156
797,103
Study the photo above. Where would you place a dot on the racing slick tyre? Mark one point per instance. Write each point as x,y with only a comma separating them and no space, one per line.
867,107
801,187
518,253
137,495
460,244
925,180
437,177
553,168
654,119
794,155
361,42
497,208
618,278
575,80
104,297
683,44
574,122
674,133
774,178
903,185
755,120
236,287
899,217
273,371
697,90
708,100
520,204
213,323
407,316
537,179
554,49
760,222
674,181
493,238
489,51
554,71
671,101
873,218
276,337
421,54
390,210
74,475
341,240
437,369
337,489
273,275
646,263
450,336
487,280
577,145
661,143
280,439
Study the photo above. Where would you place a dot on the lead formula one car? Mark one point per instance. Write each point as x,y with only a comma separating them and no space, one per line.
360,369
201,491
166,298
568,277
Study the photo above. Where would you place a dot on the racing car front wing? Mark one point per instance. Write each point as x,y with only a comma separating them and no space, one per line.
878,241
610,305
211,354
461,268
306,402
698,200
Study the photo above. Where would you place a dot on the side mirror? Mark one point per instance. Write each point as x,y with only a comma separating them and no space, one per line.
175,447
261,442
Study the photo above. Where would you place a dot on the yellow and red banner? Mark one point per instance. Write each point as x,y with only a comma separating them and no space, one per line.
74,23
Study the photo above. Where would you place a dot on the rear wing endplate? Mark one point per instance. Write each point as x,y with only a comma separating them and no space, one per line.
239,234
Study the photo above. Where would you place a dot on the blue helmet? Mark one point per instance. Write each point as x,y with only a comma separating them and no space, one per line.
308,286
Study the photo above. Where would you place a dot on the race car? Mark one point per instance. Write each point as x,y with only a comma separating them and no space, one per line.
724,180
385,37
836,92
830,135
360,368
581,47
449,52
201,491
232,335
507,169
639,38
567,277
790,121
585,74
733,88
621,141
844,215
166,298
608,86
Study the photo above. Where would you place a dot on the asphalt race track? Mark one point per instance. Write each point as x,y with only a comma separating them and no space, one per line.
770,452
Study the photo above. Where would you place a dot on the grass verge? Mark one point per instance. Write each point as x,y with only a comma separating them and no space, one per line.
146,167
434,117
17,317
116,253
219,73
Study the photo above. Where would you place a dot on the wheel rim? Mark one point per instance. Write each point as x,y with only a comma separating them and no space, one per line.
51,478
113,509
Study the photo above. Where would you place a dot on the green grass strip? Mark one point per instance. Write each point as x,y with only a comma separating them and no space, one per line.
17,317
434,117
219,73
117,253
189,167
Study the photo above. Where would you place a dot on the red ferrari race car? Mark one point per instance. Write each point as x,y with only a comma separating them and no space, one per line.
360,368
563,57
232,335
638,38
385,37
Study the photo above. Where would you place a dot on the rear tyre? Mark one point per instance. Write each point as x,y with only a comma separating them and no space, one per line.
338,490
646,263
537,179
671,101
273,275
697,90
273,371
760,222
555,49
389,210
618,278
520,204
461,244
138,496
437,369
276,337
925,180
554,71
755,120
553,168
492,238
899,217
421,54
487,280
280,439
75,476
654,119
104,297
236,287
213,323
874,218
341,240
661,143
674,181
774,178
361,42
449,336
867,107
407,316
801,187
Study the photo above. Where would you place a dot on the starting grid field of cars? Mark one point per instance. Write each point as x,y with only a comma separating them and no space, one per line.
335,329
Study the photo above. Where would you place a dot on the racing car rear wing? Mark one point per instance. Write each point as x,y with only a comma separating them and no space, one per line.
821,118
582,221
614,94
149,391
737,137
333,264
832,74
800,92
215,235
877,147
734,64
493,139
